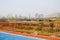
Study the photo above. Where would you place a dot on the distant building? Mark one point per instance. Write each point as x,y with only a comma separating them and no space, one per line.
54,16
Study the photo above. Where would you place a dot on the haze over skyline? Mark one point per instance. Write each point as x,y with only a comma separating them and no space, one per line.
29,7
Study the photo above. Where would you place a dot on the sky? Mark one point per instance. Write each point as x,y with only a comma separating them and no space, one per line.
28,7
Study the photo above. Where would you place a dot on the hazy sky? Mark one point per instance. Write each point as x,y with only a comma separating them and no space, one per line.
26,7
